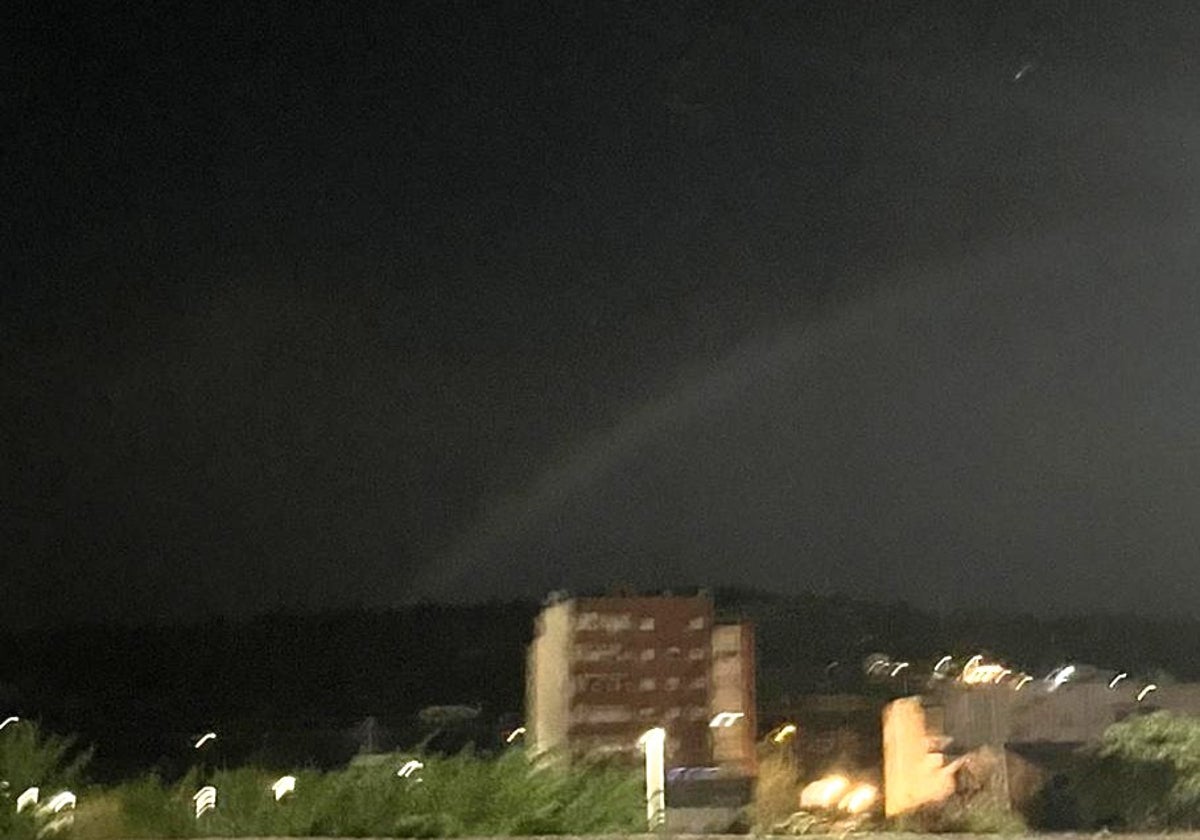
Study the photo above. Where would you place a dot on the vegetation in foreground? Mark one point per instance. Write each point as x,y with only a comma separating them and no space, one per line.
394,797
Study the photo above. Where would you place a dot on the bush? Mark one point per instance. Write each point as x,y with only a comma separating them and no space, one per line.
448,797
1144,775
30,759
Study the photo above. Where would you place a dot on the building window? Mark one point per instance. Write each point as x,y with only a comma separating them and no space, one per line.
674,652
647,654
671,683
696,713
696,623
646,684
696,653
647,623
673,713
698,684
647,713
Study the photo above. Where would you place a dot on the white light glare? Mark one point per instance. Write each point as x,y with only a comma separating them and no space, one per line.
205,799
1021,682
515,734
27,798
786,731
60,800
900,666
1113,682
204,739
1141,695
944,662
409,767
1057,678
283,786
725,719
8,720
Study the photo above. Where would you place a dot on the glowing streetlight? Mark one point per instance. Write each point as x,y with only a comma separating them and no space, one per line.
204,739
1141,695
8,720
653,742
515,734
1113,682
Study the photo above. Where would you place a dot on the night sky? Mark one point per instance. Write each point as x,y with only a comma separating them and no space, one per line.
322,305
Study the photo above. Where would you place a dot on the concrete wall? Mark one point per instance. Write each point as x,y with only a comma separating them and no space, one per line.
548,679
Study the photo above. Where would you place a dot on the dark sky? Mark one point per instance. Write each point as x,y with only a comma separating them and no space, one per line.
312,305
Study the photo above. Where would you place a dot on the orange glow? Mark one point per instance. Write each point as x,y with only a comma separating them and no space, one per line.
824,793
859,799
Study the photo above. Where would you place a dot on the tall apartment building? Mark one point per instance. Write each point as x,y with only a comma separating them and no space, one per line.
601,671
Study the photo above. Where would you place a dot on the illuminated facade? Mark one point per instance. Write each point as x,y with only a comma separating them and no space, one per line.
601,671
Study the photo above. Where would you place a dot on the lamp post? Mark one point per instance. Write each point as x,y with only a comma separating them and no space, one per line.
652,743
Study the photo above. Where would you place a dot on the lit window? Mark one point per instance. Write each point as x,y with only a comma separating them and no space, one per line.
674,653
673,713
646,713
647,654
647,623
646,684
698,684
671,683
696,623
696,713
696,653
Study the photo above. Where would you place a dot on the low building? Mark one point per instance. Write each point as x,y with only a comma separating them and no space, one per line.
603,670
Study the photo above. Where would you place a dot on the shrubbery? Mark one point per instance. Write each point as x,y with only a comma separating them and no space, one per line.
457,796
30,759
1144,775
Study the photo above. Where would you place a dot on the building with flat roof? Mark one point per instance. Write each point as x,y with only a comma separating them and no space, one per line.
603,670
